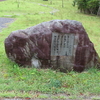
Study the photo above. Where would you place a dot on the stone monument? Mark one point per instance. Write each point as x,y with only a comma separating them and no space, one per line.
58,44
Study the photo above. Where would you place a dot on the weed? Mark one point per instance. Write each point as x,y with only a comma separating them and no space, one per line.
42,96
54,83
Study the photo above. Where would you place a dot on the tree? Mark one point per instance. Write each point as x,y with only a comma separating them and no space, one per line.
98,13
18,3
62,4
88,6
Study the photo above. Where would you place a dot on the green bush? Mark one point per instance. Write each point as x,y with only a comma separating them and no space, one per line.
87,6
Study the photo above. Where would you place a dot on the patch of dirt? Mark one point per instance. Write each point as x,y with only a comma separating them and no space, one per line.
58,97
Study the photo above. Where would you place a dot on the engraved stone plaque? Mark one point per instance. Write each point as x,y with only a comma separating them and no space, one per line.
62,44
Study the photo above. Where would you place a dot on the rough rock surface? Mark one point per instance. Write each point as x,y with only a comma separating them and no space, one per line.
33,46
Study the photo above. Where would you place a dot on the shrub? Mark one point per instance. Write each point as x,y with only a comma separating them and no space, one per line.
87,6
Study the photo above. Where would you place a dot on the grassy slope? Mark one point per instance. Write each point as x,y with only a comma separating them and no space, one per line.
15,81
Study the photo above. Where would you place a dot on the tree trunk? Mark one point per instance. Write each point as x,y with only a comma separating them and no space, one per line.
18,3
98,13
62,4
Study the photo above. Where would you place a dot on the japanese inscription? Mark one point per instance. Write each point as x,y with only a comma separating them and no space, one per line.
62,44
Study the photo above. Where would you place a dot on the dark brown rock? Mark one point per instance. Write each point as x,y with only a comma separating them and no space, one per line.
59,44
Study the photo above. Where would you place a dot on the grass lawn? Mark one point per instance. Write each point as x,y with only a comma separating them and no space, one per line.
17,81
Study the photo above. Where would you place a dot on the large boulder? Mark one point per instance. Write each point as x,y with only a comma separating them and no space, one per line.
58,44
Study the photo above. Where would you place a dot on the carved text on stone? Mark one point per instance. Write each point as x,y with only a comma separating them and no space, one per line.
62,44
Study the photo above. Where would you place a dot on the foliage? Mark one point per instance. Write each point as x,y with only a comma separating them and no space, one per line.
87,6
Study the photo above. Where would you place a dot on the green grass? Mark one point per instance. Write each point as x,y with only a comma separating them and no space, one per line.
27,82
